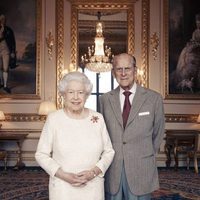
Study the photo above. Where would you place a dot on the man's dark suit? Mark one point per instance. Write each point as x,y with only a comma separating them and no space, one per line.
9,36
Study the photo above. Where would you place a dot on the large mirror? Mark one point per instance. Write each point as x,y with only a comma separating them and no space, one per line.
118,33
119,23
118,27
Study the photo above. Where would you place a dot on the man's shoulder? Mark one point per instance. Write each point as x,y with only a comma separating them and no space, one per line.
150,92
107,94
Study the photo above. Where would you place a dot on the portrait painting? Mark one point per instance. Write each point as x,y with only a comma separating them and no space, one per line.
19,37
183,69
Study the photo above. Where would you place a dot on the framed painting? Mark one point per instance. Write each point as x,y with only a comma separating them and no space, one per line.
182,49
20,37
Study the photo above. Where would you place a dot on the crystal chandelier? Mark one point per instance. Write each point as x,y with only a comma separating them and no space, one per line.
97,59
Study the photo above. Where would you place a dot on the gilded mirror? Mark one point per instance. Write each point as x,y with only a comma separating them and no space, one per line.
126,7
118,27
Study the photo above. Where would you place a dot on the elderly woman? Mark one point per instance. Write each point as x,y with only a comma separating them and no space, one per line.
74,147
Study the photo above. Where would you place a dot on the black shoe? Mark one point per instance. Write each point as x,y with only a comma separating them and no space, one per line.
7,90
1,85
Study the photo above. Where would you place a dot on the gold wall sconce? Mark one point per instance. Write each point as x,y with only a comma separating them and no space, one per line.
50,44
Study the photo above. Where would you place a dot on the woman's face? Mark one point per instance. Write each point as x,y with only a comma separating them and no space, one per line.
75,96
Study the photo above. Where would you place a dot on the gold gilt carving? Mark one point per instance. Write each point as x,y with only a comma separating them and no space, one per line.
102,3
181,118
166,53
131,31
32,117
39,41
60,44
50,44
24,117
145,32
74,35
154,43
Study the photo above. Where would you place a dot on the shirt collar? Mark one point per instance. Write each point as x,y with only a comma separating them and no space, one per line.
132,90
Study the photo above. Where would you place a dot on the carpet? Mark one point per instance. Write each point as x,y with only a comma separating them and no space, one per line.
32,184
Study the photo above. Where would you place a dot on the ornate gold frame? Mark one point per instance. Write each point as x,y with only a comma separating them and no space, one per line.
88,5
32,117
115,5
166,59
77,5
60,45
37,95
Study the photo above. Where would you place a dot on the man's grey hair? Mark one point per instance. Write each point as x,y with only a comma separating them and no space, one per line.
132,58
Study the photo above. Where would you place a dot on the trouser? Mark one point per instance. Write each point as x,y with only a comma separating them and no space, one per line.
124,192
4,63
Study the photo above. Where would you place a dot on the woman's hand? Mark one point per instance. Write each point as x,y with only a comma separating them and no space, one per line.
90,174
87,174
73,179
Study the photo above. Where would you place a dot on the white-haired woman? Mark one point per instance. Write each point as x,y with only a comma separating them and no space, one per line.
74,147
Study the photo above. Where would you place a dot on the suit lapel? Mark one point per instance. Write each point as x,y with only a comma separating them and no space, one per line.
138,101
115,105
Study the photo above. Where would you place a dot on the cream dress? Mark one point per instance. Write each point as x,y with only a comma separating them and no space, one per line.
74,145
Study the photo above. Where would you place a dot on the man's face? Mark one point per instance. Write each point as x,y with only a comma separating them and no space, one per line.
124,72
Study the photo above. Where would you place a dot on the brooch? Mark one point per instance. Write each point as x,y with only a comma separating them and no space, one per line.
94,119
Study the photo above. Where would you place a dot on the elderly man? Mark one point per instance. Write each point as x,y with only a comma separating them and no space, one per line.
134,116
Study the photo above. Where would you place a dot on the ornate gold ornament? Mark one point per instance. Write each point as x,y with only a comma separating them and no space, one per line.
50,43
154,43
60,45
33,117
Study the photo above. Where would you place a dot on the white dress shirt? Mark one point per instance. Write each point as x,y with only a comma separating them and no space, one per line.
122,97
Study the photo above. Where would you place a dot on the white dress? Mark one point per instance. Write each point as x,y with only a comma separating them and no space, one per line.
74,145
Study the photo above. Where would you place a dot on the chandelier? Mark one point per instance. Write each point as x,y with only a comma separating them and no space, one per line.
97,58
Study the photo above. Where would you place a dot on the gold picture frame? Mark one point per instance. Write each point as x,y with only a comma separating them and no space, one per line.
28,66
181,78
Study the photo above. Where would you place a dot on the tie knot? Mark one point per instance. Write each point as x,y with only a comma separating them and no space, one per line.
127,93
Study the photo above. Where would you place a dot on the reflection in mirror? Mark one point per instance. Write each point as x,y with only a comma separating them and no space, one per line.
118,33
118,18
114,31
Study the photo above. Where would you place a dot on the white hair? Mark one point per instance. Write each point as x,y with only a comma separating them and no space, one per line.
124,56
75,76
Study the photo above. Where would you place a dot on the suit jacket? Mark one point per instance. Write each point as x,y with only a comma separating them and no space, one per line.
137,144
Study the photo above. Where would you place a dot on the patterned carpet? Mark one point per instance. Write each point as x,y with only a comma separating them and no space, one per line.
32,184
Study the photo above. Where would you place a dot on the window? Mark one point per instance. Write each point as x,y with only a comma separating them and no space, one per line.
102,83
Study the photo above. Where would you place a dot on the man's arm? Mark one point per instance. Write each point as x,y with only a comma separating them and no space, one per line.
159,123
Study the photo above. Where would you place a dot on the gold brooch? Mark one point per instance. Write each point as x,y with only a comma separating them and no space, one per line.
94,119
